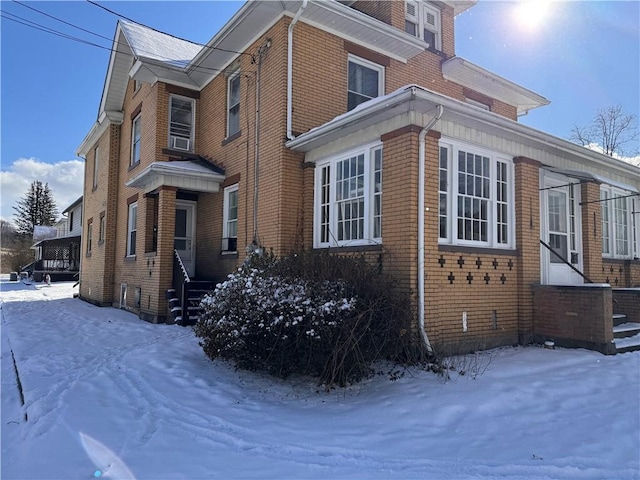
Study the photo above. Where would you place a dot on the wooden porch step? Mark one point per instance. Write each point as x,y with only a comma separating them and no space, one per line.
627,344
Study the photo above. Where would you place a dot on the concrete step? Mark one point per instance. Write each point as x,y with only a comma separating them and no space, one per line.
627,344
619,319
626,330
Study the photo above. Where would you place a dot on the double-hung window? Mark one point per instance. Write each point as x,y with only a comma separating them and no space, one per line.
136,133
476,205
233,104
348,198
181,123
365,81
619,227
423,20
89,237
132,229
230,219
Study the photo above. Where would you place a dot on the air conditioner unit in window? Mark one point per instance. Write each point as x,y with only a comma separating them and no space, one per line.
180,143
230,244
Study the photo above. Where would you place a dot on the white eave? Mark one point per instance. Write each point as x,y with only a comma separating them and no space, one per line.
413,98
104,120
186,174
472,76
255,17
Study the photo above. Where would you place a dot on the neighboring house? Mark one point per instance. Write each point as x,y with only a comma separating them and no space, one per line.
353,126
57,248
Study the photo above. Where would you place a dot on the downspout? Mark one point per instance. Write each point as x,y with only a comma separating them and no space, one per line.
421,212
290,68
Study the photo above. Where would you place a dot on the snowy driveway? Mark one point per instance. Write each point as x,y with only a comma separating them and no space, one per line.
109,395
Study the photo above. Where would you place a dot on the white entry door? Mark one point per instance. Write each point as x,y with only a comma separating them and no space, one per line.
185,234
560,230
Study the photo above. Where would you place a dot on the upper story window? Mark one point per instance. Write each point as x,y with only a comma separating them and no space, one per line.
233,104
619,228
423,20
136,85
96,158
181,123
230,219
89,237
366,81
136,133
476,206
101,228
71,221
348,198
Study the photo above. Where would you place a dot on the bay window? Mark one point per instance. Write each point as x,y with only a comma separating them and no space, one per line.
348,194
475,197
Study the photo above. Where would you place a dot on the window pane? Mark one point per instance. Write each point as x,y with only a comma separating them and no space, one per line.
181,118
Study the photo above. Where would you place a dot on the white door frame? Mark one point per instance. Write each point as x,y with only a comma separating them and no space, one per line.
189,254
556,272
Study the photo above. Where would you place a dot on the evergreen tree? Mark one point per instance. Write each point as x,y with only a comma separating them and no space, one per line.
35,208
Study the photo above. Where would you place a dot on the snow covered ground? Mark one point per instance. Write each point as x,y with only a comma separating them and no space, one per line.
108,395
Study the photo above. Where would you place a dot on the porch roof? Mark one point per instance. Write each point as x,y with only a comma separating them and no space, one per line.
57,242
196,175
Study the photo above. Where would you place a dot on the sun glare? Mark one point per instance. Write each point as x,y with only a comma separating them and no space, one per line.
530,14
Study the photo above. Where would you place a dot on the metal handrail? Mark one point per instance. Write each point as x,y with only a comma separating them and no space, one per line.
181,265
565,261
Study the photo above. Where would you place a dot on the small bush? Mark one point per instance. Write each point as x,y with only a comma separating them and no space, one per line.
308,313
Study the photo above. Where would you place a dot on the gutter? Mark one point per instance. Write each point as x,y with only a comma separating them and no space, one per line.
421,212
290,68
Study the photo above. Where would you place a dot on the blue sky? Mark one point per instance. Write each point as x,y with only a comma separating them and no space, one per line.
582,56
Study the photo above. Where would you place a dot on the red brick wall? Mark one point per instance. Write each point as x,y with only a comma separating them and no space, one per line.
574,316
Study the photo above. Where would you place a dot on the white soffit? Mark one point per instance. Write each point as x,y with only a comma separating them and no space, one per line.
472,76
257,16
188,175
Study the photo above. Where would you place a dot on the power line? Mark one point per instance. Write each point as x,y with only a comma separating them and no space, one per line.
165,33
29,23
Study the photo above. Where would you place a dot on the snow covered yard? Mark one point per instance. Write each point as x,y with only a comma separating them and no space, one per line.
109,395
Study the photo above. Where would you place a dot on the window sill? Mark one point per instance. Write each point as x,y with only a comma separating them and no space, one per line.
130,259
479,250
231,138
228,254
177,153
88,254
131,167
100,242
150,254
355,248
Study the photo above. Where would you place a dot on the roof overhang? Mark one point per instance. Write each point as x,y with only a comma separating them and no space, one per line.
99,127
184,174
255,17
472,76
415,104
458,6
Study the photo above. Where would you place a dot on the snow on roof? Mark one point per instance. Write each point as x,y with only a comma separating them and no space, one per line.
152,44
43,232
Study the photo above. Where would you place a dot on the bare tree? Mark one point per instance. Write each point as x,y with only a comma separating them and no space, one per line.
613,130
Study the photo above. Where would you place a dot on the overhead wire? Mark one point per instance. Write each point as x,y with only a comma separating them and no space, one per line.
165,33
31,24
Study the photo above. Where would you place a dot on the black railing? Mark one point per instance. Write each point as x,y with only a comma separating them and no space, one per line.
565,261
181,282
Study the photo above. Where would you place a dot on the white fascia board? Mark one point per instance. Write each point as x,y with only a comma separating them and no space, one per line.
151,71
460,6
461,71
379,107
112,59
104,120
169,172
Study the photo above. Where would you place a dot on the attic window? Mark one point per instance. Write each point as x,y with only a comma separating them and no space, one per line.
423,20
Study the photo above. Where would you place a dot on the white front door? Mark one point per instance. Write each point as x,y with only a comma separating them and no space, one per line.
560,230
185,234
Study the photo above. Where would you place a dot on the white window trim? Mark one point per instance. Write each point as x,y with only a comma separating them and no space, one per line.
369,192
370,65
422,8
230,79
89,238
135,121
96,157
132,227
193,120
225,218
633,224
452,197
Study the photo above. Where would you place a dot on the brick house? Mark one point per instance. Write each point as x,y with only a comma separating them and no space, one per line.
353,126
